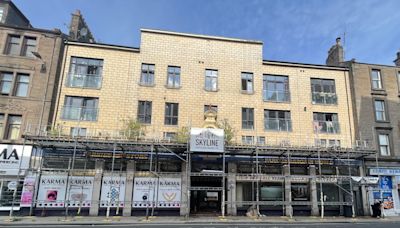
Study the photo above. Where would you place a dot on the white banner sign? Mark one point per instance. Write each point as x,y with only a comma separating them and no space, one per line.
14,158
144,192
206,140
80,188
113,191
52,190
384,171
164,193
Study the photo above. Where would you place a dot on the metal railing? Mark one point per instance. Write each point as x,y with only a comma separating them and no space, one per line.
324,98
278,125
84,80
79,113
276,96
331,127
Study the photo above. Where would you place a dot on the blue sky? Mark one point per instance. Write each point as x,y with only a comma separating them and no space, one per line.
292,30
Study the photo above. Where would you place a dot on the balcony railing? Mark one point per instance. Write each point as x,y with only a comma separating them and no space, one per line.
79,113
276,96
84,81
324,98
331,127
278,125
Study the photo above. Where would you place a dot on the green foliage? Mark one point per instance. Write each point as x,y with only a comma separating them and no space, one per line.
133,129
183,134
229,131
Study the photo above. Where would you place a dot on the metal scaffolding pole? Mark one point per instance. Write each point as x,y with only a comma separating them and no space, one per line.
257,184
112,175
223,185
68,187
150,169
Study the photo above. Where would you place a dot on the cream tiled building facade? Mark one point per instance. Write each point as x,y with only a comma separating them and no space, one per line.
119,88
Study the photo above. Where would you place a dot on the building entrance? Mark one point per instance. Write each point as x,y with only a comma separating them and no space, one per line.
206,195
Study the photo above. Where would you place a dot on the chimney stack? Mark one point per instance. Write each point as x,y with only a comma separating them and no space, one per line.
335,54
397,60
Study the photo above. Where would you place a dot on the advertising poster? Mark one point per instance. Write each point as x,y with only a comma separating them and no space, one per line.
80,188
207,140
14,158
385,183
144,191
169,192
166,192
52,190
28,190
113,191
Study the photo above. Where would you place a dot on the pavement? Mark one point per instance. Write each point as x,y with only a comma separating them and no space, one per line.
101,220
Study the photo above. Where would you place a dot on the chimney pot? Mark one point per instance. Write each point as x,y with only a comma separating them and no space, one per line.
338,41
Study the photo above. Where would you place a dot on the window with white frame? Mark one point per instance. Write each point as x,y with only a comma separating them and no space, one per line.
380,113
85,73
247,118
247,82
384,144
211,80
174,77
144,112
147,74
376,79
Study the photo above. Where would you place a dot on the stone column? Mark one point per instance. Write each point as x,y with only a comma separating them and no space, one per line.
340,182
94,208
232,170
130,175
364,194
313,191
288,190
185,205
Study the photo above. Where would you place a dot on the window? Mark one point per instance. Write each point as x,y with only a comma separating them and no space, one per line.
144,112
384,144
85,73
326,123
276,88
174,77
14,45
261,140
2,119
80,108
1,14
323,91
247,82
211,107
6,79
171,113
376,79
334,143
320,142
29,46
13,127
169,136
147,76
398,80
78,132
247,118
211,80
380,114
22,85
277,120
247,139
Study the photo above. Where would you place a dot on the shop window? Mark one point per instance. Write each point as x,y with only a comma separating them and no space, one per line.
300,192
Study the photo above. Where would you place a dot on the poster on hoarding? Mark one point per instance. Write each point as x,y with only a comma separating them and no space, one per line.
385,183
80,188
164,192
112,191
14,158
144,191
52,190
28,190
169,192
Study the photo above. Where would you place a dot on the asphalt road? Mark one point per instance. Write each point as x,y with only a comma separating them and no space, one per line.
242,225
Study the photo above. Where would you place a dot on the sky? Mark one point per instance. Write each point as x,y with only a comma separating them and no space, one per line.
291,30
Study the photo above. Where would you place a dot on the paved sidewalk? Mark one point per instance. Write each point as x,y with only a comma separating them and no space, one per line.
85,220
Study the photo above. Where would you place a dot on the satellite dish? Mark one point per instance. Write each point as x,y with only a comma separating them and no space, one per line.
83,31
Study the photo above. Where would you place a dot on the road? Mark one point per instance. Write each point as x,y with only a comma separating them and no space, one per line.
241,225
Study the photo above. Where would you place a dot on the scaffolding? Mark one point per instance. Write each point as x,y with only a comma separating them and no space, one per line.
116,146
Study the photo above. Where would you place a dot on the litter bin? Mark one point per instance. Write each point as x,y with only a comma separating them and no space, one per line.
348,211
